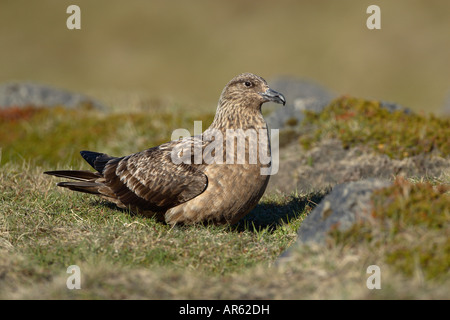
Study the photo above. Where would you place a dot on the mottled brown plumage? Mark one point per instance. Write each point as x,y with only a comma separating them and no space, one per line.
153,184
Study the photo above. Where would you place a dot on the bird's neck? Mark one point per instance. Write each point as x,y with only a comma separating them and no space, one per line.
235,117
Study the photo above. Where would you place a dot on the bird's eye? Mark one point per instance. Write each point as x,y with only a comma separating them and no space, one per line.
247,83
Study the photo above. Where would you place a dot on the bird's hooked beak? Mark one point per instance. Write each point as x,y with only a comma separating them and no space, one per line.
274,96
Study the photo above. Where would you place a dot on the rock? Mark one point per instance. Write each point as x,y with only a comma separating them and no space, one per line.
392,107
294,88
328,163
293,114
300,95
22,94
346,204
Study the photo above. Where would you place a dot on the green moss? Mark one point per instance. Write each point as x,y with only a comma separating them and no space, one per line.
291,122
417,218
364,122
411,224
287,136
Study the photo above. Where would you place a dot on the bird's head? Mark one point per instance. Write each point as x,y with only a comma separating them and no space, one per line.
250,91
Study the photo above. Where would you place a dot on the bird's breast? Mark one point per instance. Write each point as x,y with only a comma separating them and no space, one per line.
250,147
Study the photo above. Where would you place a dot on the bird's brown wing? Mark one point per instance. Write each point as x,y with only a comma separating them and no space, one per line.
150,180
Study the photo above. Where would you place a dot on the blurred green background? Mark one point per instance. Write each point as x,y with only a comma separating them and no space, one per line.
189,50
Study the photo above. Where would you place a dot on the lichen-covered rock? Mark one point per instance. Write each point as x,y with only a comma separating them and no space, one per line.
328,163
347,204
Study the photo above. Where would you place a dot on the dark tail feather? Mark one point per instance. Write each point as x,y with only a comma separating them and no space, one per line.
86,180
96,160
90,157
80,175
86,187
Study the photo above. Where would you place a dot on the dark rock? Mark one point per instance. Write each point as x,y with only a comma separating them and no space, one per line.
300,95
21,94
392,107
346,204
294,113
295,88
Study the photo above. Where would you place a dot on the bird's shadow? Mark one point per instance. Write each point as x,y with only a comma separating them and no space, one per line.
272,213
269,214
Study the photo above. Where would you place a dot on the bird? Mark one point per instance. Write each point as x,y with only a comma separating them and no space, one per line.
171,183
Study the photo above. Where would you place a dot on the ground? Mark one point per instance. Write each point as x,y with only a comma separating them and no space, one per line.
44,230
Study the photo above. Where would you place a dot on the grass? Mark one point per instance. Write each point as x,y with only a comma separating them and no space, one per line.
48,229
44,229
51,137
